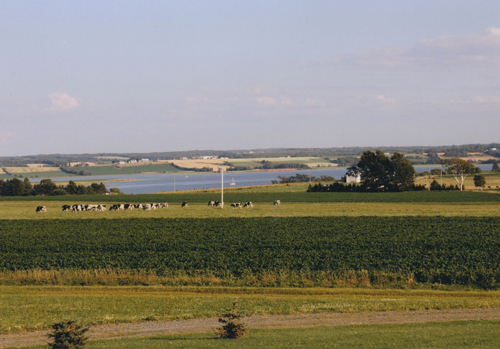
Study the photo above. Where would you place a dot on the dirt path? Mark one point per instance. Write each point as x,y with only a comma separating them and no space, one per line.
142,329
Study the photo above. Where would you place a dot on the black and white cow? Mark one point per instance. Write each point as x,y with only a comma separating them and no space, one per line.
277,202
41,209
248,204
184,204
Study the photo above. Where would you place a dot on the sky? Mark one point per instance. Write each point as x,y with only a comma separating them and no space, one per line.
157,76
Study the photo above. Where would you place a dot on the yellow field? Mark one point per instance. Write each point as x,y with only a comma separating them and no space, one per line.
21,170
310,161
214,164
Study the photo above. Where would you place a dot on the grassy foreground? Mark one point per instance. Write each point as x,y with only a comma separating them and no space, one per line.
30,308
460,334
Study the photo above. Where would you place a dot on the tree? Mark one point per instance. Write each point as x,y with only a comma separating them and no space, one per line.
495,167
45,187
232,327
435,185
381,173
375,170
404,173
115,191
459,168
72,188
68,334
28,188
13,187
479,181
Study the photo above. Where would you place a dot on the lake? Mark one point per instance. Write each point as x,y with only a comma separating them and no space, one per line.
155,183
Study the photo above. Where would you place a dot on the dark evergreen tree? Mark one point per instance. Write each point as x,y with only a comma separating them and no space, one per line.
68,334
28,188
495,167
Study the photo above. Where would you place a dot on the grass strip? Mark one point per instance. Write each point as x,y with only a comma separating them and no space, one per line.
460,334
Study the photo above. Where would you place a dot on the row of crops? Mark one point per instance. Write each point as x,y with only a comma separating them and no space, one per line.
270,197
458,250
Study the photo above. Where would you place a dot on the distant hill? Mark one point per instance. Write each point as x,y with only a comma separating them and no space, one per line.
417,154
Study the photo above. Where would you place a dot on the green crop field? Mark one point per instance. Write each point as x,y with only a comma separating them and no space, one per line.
455,250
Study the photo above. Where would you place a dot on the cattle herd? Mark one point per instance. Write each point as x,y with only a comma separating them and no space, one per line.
153,206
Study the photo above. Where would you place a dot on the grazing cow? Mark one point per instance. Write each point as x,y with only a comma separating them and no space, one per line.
248,204
277,202
128,207
100,208
41,209
114,207
236,205
146,207
211,203
184,204
66,208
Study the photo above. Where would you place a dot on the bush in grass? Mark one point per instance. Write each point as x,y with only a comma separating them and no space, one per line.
232,327
68,334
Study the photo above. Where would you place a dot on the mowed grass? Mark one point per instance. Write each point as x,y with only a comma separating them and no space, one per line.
29,308
459,334
26,210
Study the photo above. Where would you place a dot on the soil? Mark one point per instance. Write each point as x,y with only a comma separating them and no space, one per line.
150,328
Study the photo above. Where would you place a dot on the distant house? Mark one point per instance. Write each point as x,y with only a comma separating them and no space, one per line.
206,157
353,179
144,160
132,161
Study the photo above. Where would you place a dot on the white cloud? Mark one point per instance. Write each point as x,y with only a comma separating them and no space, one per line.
481,48
286,101
193,100
384,99
266,100
5,137
314,101
61,102
486,99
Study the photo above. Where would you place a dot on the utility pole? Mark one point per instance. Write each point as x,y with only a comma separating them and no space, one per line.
222,187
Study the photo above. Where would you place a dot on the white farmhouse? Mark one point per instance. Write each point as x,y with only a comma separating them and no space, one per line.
353,179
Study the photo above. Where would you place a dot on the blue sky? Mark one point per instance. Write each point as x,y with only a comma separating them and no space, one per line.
145,76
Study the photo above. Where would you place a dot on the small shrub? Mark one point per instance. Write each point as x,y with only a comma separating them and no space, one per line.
232,327
68,334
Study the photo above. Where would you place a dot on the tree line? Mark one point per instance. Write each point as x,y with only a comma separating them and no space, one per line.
381,173
17,187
